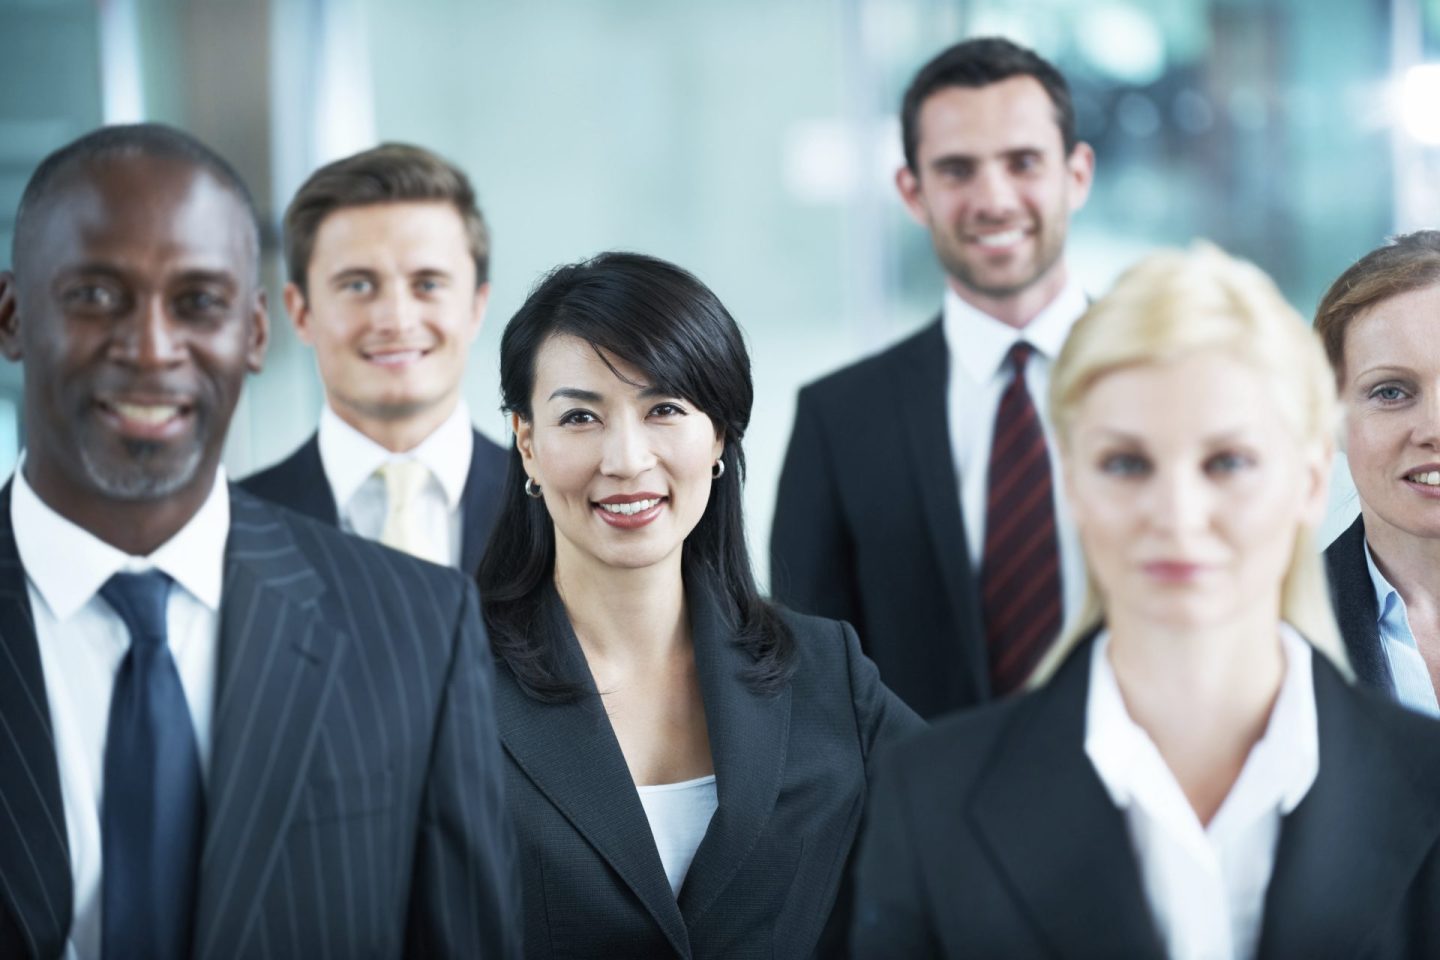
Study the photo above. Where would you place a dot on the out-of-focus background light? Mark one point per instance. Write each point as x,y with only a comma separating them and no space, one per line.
1420,103
1123,41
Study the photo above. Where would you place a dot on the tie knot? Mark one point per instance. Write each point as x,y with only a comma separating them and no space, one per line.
139,599
1019,354
404,479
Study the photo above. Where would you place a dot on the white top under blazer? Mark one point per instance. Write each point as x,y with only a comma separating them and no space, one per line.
679,815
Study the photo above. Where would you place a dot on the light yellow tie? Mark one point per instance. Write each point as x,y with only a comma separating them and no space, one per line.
404,479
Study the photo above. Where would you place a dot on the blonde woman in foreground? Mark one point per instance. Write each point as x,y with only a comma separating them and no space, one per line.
1193,774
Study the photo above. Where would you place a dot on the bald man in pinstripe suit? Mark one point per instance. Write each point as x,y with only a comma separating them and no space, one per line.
225,730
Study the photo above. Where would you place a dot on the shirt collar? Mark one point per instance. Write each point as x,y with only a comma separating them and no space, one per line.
350,458
987,340
1386,596
68,564
1287,755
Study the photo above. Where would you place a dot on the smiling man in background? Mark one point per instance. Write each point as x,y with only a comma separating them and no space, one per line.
388,258
918,497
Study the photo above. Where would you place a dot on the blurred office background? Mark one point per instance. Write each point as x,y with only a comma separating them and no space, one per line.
752,141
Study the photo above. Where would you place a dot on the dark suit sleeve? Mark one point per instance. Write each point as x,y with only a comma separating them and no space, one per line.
890,918
811,554
464,895
881,716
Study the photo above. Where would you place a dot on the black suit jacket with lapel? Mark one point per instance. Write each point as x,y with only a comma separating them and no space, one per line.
990,835
790,773
868,527
1352,593
354,802
299,483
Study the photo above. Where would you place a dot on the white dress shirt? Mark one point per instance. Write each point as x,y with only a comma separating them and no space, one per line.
1206,885
350,459
978,345
82,641
679,815
1413,686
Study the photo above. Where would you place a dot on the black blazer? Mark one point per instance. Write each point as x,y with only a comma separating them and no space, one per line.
1352,593
354,805
991,835
790,771
298,482
868,527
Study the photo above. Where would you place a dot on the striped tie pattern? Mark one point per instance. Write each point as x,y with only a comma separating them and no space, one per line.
1020,570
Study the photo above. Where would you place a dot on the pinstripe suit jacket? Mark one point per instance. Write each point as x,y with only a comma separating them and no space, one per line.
354,799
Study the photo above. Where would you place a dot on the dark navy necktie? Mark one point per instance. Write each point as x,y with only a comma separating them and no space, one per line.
1020,569
150,824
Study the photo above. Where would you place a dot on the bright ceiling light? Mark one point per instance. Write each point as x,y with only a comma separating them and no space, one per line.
1420,103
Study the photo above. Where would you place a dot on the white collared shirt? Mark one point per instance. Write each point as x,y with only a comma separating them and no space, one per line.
82,641
1206,885
978,346
350,460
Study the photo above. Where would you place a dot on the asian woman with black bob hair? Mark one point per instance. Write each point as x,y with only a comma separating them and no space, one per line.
686,764
1192,773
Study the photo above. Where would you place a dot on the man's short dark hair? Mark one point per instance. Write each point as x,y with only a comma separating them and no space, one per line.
389,173
980,62
128,140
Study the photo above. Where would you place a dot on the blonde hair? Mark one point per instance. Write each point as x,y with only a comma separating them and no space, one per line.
1171,304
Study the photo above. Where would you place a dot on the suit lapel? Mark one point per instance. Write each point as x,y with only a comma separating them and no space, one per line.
569,751
1371,813
749,733
1051,828
1356,611
307,489
479,503
34,846
277,660
921,383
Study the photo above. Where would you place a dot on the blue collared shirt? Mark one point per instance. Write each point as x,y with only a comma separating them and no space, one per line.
1413,688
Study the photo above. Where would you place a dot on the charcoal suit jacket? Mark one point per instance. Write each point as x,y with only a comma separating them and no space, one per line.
354,802
868,527
1352,593
991,836
299,483
790,771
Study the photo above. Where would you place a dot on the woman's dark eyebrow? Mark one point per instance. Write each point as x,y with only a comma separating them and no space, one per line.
575,393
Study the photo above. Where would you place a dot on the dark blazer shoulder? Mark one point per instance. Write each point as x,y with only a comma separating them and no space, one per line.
815,637
952,752
488,455
297,483
1413,738
832,667
858,382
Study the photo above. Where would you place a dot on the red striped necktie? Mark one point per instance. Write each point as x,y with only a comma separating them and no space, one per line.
1020,570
